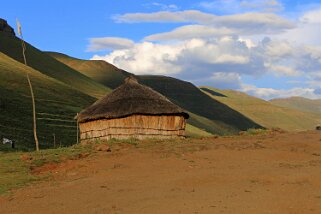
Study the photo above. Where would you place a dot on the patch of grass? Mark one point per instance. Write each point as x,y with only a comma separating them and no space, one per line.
192,131
58,155
14,172
16,167
256,131
131,141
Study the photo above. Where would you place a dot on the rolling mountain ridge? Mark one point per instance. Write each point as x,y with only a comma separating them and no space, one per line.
264,112
299,103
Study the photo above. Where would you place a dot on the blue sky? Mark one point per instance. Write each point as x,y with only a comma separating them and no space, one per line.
267,48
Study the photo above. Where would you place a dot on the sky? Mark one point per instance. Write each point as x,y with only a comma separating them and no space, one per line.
266,48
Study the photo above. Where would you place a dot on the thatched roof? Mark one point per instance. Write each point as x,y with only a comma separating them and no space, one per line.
128,99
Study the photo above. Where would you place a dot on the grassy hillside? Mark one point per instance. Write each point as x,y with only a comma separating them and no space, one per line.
263,112
299,103
99,70
56,105
49,66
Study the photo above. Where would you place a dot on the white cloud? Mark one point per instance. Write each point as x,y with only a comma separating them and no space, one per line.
232,59
109,43
314,52
251,23
193,16
281,70
225,80
263,5
220,50
222,80
190,32
167,7
189,59
237,6
314,79
289,59
248,42
316,76
307,31
270,93
221,62
145,58
278,49
208,25
226,6
313,16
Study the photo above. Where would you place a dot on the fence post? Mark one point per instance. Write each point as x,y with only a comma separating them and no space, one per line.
54,140
77,129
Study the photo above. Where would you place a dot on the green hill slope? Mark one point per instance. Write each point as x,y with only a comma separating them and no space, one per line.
56,105
40,61
263,112
299,103
99,70
193,131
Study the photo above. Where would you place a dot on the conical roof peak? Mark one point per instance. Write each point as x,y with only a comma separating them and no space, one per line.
131,79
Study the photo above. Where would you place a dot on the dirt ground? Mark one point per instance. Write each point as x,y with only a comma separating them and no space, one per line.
272,173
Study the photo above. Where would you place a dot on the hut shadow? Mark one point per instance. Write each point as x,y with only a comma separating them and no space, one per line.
214,93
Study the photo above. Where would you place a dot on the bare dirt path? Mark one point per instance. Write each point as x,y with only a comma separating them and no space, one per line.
275,173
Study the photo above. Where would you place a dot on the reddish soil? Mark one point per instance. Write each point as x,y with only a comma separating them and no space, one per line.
274,173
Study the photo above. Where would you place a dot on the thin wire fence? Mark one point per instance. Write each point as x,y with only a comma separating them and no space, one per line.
54,131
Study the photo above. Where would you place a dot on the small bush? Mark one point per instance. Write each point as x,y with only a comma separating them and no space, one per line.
253,131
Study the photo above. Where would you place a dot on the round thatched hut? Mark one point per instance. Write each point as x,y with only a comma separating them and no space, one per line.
132,111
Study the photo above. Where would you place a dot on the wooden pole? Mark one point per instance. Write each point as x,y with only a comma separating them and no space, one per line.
77,129
54,140
31,89
34,114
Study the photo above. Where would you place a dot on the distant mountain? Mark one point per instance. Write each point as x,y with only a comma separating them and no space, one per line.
264,112
299,103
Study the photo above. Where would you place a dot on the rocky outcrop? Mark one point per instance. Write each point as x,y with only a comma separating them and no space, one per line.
5,28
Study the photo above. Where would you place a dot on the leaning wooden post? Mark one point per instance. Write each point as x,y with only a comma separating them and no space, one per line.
30,86
77,129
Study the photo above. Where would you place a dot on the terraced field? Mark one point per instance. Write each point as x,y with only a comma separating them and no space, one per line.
56,106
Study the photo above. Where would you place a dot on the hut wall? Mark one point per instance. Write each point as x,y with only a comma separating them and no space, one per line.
135,126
